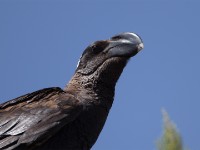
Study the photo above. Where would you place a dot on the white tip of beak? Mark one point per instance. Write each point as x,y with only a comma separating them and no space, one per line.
140,46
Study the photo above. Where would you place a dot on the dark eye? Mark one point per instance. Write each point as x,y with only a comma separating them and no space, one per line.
96,49
99,46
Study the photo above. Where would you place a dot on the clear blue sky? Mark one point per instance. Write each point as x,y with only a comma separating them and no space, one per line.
41,42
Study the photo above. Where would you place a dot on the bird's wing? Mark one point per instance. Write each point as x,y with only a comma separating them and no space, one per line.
35,117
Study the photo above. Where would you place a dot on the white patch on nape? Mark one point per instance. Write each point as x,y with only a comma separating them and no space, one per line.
78,62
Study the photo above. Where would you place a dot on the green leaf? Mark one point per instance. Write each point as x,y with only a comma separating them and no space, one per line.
171,138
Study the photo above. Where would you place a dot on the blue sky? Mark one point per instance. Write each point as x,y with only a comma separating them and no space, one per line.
41,42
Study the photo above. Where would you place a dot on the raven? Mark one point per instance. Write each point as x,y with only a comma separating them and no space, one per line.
70,118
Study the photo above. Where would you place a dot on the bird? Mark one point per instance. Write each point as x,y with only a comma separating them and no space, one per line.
73,117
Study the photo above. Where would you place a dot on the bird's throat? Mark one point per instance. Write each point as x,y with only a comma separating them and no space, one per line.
98,87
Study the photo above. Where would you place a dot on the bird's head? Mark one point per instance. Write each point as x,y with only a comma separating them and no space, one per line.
109,53
103,61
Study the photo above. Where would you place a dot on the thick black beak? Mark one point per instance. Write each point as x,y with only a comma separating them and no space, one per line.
124,45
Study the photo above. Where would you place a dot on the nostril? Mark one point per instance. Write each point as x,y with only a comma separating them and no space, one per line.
117,37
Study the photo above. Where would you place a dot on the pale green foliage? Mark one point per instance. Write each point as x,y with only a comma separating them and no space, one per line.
170,139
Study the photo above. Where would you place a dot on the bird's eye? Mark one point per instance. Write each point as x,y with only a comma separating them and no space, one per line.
98,46
96,49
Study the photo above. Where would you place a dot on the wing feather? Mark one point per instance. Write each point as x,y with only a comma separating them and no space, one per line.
35,117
